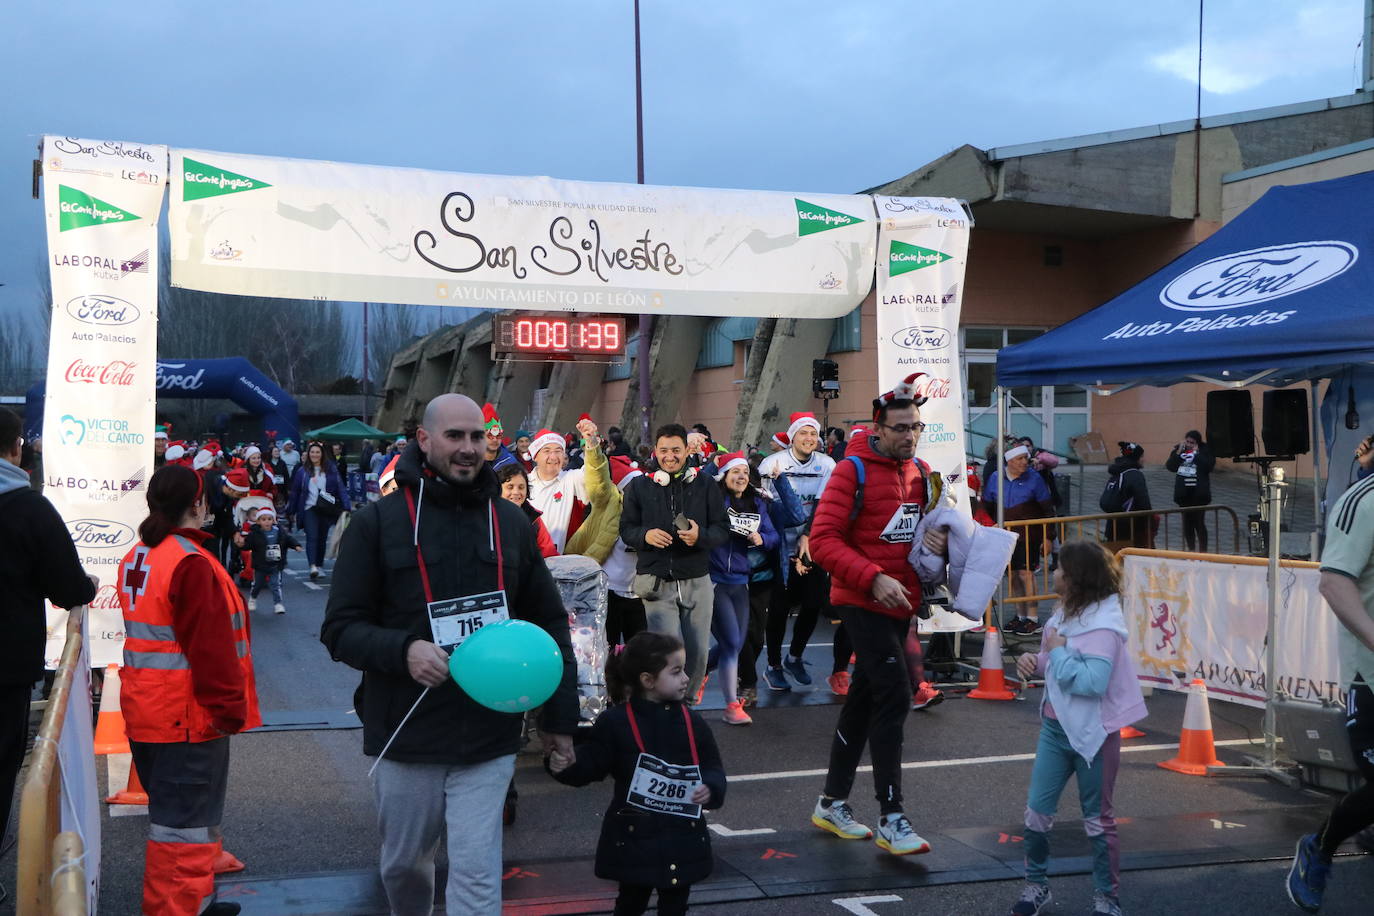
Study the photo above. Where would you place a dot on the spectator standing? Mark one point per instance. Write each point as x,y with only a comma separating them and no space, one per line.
1127,490
1192,463
318,498
617,447
451,762
1026,497
515,487
290,457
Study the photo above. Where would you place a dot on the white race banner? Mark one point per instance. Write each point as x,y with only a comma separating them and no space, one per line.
922,253
1198,619
102,201
254,225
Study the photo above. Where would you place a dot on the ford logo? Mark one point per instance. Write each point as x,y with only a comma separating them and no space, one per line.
1258,275
922,338
104,310
100,533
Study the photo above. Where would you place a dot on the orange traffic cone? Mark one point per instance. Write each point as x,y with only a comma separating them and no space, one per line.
109,725
1130,731
992,681
1196,750
226,862
133,793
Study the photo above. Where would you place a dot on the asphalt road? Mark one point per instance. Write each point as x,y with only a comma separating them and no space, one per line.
300,813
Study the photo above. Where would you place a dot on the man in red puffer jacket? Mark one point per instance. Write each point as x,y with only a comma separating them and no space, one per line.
861,535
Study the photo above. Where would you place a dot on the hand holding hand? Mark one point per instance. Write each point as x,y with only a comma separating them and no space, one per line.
937,541
700,795
890,593
657,537
1026,666
427,663
559,749
691,533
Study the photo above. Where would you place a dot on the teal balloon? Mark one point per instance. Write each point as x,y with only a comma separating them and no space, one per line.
512,666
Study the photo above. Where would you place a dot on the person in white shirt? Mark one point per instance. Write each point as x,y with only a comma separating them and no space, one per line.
560,494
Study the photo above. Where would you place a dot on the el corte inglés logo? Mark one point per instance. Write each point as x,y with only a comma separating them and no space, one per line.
903,258
813,218
200,180
79,209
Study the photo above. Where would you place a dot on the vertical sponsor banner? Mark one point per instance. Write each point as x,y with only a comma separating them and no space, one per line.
81,805
102,201
922,253
1193,619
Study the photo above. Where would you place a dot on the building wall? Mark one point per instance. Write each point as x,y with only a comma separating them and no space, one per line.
1238,194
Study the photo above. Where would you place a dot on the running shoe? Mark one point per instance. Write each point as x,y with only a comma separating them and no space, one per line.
926,696
701,691
1030,627
1034,899
839,820
797,668
252,603
895,834
749,696
1105,904
279,608
777,679
839,683
1307,877
735,715
314,571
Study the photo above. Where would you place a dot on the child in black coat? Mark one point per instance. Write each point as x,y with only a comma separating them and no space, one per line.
267,542
666,769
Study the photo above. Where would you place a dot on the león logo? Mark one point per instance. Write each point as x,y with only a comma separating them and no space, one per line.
201,180
813,218
79,209
903,258
1258,275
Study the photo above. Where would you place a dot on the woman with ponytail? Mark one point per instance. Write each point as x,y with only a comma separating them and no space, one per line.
186,686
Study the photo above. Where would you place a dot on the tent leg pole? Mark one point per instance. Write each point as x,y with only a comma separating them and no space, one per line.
999,399
1317,521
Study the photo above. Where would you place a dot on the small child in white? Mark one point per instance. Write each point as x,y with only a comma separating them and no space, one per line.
267,541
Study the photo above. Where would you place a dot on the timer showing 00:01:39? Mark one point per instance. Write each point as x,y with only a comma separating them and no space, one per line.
561,335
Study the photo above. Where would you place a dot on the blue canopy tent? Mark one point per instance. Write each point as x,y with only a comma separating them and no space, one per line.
1278,296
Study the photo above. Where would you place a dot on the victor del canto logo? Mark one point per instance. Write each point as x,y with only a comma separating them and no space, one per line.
1258,275
79,209
813,218
100,533
200,180
903,258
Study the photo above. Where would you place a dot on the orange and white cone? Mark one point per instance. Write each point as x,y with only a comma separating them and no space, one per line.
1196,748
109,725
992,679
133,792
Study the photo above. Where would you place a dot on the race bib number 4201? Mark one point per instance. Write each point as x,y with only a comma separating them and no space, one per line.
455,619
664,788
901,528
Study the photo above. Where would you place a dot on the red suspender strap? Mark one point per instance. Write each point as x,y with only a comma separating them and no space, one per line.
496,545
419,556
686,717
634,726
495,532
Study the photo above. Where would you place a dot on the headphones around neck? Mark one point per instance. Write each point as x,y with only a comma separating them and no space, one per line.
663,478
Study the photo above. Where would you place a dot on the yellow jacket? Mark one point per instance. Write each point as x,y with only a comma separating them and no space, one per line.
595,537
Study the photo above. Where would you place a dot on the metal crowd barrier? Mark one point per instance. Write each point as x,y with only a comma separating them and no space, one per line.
51,875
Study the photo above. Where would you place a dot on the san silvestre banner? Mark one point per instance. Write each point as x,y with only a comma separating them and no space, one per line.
102,201
254,225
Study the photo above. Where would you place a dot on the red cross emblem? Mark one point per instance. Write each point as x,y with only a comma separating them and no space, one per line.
136,576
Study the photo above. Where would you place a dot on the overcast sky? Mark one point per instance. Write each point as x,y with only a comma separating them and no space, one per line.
796,96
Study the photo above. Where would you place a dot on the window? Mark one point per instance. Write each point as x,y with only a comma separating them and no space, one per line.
719,338
847,337
617,372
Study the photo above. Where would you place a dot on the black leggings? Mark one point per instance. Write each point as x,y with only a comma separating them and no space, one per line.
634,900
811,592
1195,530
760,595
876,708
843,648
624,618
1356,811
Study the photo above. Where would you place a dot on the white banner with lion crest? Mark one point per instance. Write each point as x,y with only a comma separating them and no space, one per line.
1200,619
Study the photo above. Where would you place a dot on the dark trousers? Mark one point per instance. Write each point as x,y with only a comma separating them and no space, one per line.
316,535
1355,811
185,782
811,594
14,734
841,650
1195,530
876,708
624,618
760,594
634,900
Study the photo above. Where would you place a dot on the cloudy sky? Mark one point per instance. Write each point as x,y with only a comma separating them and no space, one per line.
796,96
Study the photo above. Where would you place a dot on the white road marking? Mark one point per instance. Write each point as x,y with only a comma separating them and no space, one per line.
128,810
722,830
313,587
859,905
965,761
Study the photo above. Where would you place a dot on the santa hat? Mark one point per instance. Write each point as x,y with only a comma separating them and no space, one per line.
859,430
237,480
801,420
250,451
175,450
623,470
905,390
732,460
247,505
545,438
1019,452
204,458
975,483
491,421
388,473
267,510
212,446
782,440
161,432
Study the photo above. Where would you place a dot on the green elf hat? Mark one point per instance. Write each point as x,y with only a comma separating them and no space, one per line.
490,421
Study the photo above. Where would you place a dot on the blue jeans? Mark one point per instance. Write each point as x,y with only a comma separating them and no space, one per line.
316,529
263,577
729,625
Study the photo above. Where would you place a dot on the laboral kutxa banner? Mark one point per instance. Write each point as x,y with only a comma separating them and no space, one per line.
253,225
1195,619
101,200
922,253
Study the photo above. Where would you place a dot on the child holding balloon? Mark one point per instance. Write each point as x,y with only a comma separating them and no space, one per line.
666,768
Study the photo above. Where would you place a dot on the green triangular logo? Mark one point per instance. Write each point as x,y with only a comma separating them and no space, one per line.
199,180
80,209
813,218
903,258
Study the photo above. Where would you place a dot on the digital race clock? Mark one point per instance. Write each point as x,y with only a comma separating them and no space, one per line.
552,337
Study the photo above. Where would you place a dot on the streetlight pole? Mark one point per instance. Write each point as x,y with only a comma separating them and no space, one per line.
646,322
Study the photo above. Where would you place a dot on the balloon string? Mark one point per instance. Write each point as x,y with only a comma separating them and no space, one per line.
396,732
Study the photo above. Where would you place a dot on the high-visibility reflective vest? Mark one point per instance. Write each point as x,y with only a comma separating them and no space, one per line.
157,699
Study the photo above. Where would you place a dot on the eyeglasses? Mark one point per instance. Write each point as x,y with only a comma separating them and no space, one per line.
902,429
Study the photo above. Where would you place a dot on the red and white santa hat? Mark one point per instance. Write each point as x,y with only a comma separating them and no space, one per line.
905,390
267,510
545,438
250,451
204,458
732,460
859,430
623,470
800,420
176,450
782,440
388,473
491,421
237,480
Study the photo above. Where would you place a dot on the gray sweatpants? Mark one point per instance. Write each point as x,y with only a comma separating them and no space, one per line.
413,800
682,608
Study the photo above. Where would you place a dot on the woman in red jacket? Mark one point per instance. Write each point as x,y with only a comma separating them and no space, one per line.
515,486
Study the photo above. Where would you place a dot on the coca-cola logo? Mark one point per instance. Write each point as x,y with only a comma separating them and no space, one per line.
100,533
106,599
183,381
930,387
118,372
102,310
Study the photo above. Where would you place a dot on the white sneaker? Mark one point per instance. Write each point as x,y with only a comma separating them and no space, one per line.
279,608
839,820
896,835
314,572
252,603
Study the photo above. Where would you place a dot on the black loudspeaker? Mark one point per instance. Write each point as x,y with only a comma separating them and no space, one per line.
1284,427
1230,423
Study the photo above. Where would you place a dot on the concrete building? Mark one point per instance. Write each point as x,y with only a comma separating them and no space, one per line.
1061,226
